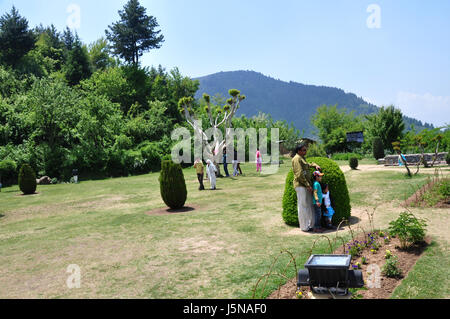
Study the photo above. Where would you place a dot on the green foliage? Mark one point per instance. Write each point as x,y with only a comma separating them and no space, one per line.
8,172
345,156
333,126
316,150
353,162
172,185
335,179
27,180
388,124
378,148
439,192
77,67
408,229
134,34
99,55
391,268
447,158
16,40
290,208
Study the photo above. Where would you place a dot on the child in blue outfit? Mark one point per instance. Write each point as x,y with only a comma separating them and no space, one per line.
317,201
330,211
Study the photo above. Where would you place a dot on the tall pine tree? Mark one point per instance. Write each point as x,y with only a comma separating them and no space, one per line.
16,40
134,34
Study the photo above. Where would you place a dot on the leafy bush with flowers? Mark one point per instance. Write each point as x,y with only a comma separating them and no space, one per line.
354,248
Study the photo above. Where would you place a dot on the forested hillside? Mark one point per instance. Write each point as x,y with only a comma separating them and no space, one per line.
290,101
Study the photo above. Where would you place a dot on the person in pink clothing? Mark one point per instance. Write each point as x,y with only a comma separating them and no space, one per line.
258,161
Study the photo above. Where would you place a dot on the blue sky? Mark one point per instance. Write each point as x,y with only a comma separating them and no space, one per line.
404,62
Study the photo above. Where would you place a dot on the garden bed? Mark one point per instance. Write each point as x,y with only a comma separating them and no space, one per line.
406,260
433,194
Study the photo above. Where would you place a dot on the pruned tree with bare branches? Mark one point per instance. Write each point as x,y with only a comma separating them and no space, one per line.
223,118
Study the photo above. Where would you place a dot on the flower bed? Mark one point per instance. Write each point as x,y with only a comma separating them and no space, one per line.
370,252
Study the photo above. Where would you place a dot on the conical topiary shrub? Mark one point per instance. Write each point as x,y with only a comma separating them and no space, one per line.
27,180
334,177
172,185
378,148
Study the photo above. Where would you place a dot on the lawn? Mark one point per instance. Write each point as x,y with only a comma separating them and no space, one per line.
217,251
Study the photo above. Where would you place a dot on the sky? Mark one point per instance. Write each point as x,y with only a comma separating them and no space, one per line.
387,52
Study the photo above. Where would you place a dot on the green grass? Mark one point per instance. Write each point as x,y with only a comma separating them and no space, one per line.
218,251
429,279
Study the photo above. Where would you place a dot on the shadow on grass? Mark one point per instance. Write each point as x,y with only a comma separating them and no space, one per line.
1,215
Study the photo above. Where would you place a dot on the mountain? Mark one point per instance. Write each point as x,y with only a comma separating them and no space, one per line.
291,101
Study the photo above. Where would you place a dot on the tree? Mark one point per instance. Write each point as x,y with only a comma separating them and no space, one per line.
134,34
217,118
388,124
16,40
333,126
77,66
99,55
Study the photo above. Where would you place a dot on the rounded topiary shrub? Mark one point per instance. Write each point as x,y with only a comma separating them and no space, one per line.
27,180
172,185
353,162
290,210
378,148
334,177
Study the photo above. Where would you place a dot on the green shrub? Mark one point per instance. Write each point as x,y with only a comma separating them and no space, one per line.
408,229
444,188
8,174
391,269
447,158
172,185
290,208
345,156
317,150
27,180
334,177
152,154
378,148
353,162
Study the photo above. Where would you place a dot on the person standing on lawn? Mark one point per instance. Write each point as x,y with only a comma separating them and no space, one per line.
258,161
317,201
235,164
302,185
212,170
198,165
329,209
225,163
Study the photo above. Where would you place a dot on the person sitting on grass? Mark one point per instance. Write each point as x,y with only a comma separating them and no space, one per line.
317,201
329,210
